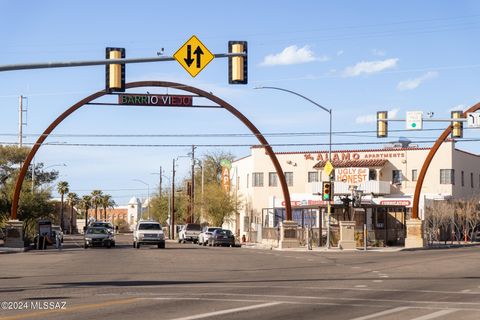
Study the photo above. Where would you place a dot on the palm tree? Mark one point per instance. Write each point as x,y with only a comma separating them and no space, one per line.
85,204
62,188
107,202
96,198
72,199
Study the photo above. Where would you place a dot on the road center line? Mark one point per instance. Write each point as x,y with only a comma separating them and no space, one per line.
227,311
382,313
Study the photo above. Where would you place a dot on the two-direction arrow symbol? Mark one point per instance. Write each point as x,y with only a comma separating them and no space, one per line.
198,52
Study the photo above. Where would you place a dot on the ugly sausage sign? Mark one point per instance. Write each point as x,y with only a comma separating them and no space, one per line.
351,175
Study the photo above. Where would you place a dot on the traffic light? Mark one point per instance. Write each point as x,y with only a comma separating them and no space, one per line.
115,73
457,126
382,124
237,66
327,190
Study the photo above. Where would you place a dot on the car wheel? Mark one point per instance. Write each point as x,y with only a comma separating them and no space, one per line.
134,245
138,245
85,246
161,246
205,243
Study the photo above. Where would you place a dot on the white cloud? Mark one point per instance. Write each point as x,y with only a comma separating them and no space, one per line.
370,67
340,52
411,84
460,107
371,118
292,55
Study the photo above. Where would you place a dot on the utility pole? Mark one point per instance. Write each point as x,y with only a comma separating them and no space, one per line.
21,110
160,184
192,195
172,213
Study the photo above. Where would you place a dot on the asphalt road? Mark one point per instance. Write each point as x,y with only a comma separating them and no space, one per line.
185,281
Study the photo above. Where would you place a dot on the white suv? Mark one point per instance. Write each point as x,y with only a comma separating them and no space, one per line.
148,232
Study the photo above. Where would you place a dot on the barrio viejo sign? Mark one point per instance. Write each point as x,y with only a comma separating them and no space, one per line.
156,100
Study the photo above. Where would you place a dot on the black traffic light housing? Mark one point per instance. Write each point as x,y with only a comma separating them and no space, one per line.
115,73
237,66
327,190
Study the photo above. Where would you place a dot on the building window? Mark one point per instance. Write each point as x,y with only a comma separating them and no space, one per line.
396,176
313,176
463,178
257,179
447,176
471,179
248,179
414,175
372,174
272,179
289,178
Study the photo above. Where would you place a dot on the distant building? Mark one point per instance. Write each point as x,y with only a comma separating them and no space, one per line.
130,213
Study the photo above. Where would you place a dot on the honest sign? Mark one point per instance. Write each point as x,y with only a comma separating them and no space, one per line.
161,100
351,175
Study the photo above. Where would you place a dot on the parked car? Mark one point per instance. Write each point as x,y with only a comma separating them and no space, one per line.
98,237
103,224
148,232
222,237
55,230
189,232
205,235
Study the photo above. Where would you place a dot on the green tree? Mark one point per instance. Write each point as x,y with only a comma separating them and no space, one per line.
106,201
218,206
96,201
62,189
85,203
72,200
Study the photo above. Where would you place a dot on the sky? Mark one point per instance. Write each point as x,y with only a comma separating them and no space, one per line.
353,57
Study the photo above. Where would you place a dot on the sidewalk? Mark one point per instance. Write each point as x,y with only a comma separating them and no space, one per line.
263,246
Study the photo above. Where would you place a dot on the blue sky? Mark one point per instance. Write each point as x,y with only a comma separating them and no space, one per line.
356,57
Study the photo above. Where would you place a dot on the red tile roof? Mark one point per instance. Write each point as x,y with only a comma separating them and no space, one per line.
353,164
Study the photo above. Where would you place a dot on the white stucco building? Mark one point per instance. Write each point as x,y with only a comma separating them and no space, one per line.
387,176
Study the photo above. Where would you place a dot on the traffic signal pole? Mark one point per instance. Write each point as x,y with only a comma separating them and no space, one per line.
68,64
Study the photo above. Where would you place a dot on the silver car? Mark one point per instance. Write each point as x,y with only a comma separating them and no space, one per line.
206,234
99,237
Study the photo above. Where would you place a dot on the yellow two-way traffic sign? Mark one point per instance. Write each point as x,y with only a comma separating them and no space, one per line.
193,56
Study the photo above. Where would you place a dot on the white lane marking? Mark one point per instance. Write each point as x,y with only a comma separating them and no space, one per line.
435,314
377,281
227,311
382,313
466,290
360,286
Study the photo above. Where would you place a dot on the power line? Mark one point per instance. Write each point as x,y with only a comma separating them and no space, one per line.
230,145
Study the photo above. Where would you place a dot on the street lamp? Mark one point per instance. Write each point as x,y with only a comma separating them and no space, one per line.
148,196
50,166
329,148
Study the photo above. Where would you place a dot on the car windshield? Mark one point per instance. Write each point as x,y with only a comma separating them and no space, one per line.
212,229
96,231
223,232
102,224
149,226
195,227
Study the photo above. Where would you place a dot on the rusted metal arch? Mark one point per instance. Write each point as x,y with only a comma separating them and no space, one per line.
428,160
199,92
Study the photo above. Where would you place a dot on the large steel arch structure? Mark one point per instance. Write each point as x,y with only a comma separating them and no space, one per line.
199,92
428,160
